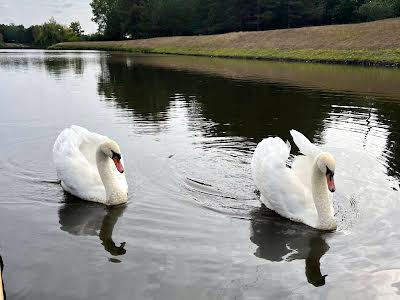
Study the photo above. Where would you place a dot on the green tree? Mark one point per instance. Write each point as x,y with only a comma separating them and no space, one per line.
101,9
118,19
377,9
76,28
28,35
12,33
49,33
106,15
340,11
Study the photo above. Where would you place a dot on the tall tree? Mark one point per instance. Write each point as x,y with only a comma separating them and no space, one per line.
76,28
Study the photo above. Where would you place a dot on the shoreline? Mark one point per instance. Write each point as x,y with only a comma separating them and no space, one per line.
365,57
370,44
16,46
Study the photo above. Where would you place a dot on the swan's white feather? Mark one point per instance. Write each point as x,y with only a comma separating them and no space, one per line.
302,168
304,144
74,155
280,187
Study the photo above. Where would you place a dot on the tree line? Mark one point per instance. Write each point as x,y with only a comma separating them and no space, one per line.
119,19
42,35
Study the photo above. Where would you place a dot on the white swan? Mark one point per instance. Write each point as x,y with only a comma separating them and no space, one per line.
83,163
301,193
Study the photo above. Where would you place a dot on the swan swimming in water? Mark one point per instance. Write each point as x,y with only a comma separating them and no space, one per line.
301,193
83,161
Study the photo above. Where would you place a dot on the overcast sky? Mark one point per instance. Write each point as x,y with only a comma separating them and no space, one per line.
30,12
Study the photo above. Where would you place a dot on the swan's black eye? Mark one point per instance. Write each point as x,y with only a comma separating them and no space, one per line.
329,172
115,155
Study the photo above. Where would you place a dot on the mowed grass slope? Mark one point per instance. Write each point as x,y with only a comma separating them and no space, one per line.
365,43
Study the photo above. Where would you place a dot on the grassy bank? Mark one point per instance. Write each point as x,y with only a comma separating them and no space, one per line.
374,43
15,46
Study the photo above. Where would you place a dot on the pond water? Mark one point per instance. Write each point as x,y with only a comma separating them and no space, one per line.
193,227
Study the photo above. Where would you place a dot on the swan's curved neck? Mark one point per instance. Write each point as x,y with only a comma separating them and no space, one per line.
108,178
321,199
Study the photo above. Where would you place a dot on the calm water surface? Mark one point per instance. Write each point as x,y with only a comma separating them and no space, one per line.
193,227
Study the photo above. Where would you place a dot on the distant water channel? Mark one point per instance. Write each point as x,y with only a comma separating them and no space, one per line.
193,227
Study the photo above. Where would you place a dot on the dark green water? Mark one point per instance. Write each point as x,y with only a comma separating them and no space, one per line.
193,227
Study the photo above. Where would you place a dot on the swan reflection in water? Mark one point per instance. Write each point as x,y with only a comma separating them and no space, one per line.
79,217
279,239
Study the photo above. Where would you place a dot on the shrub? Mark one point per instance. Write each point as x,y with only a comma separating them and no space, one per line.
376,10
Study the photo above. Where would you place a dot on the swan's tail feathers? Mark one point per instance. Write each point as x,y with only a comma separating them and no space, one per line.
304,144
269,159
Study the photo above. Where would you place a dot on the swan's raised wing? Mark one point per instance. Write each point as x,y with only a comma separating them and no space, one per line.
280,188
304,144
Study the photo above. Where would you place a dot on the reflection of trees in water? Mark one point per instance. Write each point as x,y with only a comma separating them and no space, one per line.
54,65
58,65
256,110
86,218
279,239
389,114
250,109
144,90
243,109
14,64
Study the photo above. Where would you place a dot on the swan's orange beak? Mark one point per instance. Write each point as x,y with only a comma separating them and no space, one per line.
118,164
331,182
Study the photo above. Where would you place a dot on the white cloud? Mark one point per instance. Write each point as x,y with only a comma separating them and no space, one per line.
8,20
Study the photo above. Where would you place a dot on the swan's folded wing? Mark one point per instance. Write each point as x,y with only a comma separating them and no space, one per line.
87,143
279,186
78,143
304,144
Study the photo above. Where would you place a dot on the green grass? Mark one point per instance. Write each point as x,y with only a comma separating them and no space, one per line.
387,57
